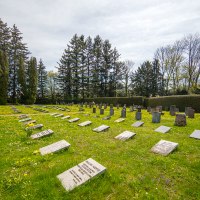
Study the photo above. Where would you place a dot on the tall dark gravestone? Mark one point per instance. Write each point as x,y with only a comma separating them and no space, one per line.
191,113
94,110
180,120
101,111
138,115
172,110
123,113
111,111
156,117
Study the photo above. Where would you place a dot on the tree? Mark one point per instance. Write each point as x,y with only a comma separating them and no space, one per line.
52,85
4,37
3,77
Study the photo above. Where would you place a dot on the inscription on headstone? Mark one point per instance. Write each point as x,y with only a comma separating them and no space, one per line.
164,147
163,129
80,174
55,147
138,124
125,135
101,128
73,120
196,134
119,120
86,123
42,134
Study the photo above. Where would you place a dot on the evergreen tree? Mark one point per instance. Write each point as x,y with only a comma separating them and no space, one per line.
4,37
3,77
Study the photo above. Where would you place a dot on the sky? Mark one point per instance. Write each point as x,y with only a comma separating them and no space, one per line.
135,27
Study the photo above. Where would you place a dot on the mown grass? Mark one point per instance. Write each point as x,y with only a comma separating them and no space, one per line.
133,172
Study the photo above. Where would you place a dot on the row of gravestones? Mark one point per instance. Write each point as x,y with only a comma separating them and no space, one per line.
16,110
41,110
89,168
59,108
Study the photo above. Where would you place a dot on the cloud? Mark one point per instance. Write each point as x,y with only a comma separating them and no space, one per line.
135,28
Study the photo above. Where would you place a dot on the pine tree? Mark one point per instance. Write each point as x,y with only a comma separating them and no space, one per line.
4,37
3,77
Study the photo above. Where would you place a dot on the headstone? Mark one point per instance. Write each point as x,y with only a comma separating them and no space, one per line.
105,106
163,129
106,118
148,109
101,128
131,109
73,120
164,147
54,114
55,147
23,116
35,126
139,108
191,113
29,122
180,120
25,120
86,123
125,135
42,134
156,117
60,115
119,120
123,113
101,111
66,117
196,134
138,115
94,110
138,124
186,110
172,110
117,106
111,111
80,174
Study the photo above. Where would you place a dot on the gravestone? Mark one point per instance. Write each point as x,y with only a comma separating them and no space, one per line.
163,129
172,110
180,120
148,109
53,114
139,108
35,126
25,120
86,123
186,110
73,120
29,122
119,120
94,110
191,113
101,128
105,106
159,109
59,115
156,117
66,117
117,106
138,124
23,116
111,111
125,135
101,111
131,109
42,134
164,147
80,174
106,118
55,147
195,134
138,115
123,113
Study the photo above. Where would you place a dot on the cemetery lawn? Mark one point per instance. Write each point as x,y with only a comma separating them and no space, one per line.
133,171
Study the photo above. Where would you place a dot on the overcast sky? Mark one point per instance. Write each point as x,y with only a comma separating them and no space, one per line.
135,27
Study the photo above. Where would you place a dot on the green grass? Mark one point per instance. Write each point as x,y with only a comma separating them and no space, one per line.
133,172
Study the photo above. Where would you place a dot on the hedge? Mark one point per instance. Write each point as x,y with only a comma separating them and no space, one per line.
117,100
181,101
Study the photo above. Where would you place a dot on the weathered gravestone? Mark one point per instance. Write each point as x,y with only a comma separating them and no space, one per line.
131,109
101,128
59,115
29,122
191,113
159,109
101,111
66,117
139,108
86,123
55,147
42,134
119,120
156,117
94,110
138,115
172,110
80,174
186,110
196,134
74,120
164,147
111,111
125,135
138,124
163,129
25,120
180,120
35,126
54,114
106,118
123,113
23,116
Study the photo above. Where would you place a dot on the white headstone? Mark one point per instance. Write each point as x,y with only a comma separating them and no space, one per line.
59,115
55,147
73,120
25,120
53,114
164,147
138,124
42,134
66,117
125,135
80,174
36,126
195,134
86,123
101,128
119,120
163,129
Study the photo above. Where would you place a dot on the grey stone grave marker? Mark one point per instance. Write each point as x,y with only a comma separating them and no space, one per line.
25,120
186,110
55,147
138,115
156,117
101,111
66,117
119,120
29,122
163,129
73,120
42,134
191,113
125,135
23,116
59,115
111,111
172,110
101,128
86,123
138,124
123,113
80,174
180,120
54,114
164,147
35,126
196,134
106,118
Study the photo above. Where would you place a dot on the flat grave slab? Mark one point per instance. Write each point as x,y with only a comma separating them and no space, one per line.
59,115
66,117
101,128
36,126
106,118
163,129
25,120
53,114
80,174
138,124
55,147
196,134
23,116
164,147
125,135
42,134
86,123
29,122
73,120
119,120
